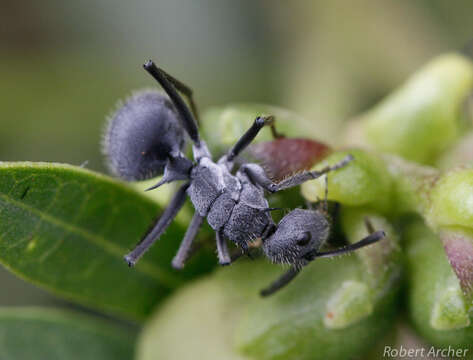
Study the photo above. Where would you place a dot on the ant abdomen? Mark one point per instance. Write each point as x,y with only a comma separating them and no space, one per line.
141,135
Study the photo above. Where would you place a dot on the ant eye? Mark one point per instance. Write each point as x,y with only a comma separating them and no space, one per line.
304,239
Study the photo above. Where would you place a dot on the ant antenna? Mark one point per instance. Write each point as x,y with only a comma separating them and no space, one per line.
370,239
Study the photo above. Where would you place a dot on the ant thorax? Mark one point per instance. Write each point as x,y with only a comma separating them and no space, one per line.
231,203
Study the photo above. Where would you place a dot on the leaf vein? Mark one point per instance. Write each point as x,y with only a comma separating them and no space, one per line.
145,267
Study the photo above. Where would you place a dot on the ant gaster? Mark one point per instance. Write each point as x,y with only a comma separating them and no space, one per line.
145,138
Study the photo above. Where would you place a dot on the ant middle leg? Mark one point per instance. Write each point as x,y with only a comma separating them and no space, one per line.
258,176
222,249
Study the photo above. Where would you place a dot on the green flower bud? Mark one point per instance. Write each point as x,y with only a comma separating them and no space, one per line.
461,153
444,201
332,301
363,182
452,200
420,119
195,323
437,305
395,186
348,305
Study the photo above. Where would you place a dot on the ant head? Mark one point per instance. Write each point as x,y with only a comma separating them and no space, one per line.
298,233
142,135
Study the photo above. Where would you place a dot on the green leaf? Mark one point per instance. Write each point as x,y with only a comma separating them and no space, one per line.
40,333
67,229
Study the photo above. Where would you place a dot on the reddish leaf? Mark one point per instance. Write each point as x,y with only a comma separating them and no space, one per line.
285,156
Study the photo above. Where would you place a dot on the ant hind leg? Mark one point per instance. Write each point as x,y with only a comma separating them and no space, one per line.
186,91
168,83
185,248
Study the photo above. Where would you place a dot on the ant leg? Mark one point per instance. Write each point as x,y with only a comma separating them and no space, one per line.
185,90
370,239
222,249
185,247
285,279
187,118
162,223
235,255
302,177
177,168
326,195
249,136
258,176
276,134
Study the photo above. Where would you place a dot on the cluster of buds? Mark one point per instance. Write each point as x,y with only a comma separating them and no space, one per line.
412,178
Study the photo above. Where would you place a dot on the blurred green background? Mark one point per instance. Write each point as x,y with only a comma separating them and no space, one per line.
64,65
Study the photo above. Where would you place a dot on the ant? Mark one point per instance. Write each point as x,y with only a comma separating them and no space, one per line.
145,138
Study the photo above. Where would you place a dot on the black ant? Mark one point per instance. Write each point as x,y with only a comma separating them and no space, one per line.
145,138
